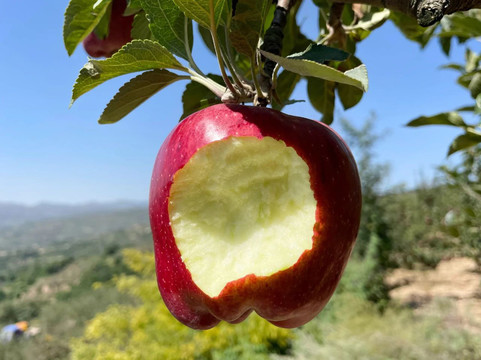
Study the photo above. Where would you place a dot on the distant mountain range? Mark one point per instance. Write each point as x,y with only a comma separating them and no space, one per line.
12,214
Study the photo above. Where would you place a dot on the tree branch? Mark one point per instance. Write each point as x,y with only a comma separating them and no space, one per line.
275,34
334,26
427,12
272,43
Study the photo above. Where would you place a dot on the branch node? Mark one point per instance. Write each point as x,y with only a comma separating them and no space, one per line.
336,34
429,12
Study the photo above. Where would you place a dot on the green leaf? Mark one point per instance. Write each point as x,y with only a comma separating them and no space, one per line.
359,73
411,29
349,95
286,83
465,141
469,211
475,85
347,16
199,11
452,230
133,6
373,20
472,60
463,25
80,20
135,92
102,27
321,3
320,54
457,67
369,22
207,38
247,25
465,108
356,77
477,108
197,97
222,36
294,40
323,14
445,44
465,80
293,101
169,27
321,95
269,17
140,27
138,55
449,118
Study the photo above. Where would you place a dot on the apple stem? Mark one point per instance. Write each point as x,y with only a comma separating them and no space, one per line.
218,54
260,99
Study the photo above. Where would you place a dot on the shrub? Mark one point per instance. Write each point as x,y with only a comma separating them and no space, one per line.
149,331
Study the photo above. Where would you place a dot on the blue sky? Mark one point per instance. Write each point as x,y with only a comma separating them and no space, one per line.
49,152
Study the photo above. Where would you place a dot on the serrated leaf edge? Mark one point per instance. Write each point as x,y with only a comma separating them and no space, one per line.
363,85
98,64
175,78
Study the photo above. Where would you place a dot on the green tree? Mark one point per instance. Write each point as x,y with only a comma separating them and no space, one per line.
465,221
373,244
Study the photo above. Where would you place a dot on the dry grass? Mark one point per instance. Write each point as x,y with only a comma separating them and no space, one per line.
351,328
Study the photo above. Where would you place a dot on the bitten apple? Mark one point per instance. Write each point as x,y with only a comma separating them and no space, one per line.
252,210
120,27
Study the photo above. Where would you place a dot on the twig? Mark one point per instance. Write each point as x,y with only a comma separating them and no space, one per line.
274,35
427,12
334,26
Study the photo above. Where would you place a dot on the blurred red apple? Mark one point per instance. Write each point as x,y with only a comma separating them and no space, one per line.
252,210
120,27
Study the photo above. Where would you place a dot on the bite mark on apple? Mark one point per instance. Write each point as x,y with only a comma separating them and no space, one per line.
241,206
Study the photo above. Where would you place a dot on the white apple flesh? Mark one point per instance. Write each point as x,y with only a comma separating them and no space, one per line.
241,206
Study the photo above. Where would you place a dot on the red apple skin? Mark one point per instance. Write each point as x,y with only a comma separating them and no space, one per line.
291,297
119,33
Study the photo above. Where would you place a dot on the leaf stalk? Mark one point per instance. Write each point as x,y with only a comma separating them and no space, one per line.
188,50
213,86
217,49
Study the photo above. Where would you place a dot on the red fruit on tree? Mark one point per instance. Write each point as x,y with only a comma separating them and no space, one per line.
252,210
120,27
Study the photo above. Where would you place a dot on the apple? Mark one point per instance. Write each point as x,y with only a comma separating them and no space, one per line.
252,210
120,27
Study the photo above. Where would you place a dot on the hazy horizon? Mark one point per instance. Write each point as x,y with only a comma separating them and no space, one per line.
134,202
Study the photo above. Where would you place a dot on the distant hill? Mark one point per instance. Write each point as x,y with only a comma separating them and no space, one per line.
74,228
15,214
